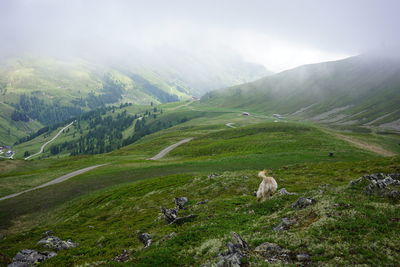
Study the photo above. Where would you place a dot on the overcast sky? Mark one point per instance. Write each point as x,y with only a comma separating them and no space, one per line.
278,34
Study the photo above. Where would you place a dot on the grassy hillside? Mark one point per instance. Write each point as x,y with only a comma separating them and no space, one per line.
344,227
362,90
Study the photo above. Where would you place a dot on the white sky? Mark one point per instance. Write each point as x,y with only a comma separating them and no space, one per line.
280,34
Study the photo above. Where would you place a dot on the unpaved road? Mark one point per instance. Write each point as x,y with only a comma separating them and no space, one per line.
48,142
55,181
230,125
366,146
165,151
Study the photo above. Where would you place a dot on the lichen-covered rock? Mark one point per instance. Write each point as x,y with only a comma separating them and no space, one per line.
170,214
303,202
56,243
145,238
284,224
28,257
180,202
236,252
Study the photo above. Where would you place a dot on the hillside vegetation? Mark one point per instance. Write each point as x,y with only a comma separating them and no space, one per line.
362,90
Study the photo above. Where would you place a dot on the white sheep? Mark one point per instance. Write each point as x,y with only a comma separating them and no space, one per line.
267,187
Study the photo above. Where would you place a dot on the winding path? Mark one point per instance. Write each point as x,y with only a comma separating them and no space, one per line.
48,142
55,181
168,149
230,125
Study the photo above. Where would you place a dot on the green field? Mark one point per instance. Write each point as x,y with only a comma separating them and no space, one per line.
106,208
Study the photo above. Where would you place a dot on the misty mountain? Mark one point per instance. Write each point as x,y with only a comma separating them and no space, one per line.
361,90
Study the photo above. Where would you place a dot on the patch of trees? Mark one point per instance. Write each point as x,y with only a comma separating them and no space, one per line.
153,124
105,133
47,113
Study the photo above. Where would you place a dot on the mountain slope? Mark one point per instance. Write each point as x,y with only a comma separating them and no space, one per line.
362,90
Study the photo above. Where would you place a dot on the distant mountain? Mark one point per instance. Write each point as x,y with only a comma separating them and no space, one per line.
361,90
36,92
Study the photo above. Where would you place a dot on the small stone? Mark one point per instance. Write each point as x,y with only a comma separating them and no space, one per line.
180,202
303,202
123,257
303,257
283,191
202,202
47,233
146,239
169,214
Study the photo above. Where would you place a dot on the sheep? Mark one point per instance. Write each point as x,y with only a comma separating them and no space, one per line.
267,187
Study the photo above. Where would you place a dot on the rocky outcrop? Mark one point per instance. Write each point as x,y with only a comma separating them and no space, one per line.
56,243
145,238
28,257
237,250
303,202
380,184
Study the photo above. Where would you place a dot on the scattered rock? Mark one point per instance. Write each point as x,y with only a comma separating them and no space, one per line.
284,224
169,236
212,175
273,253
303,202
146,239
56,243
236,252
170,214
303,257
330,154
379,184
202,202
123,257
180,202
283,191
28,257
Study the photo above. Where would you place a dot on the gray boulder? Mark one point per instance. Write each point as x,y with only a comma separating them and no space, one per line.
146,239
379,183
302,203
56,243
28,257
180,202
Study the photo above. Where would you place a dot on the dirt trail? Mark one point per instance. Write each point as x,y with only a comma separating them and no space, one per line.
48,142
168,149
366,146
230,125
55,181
